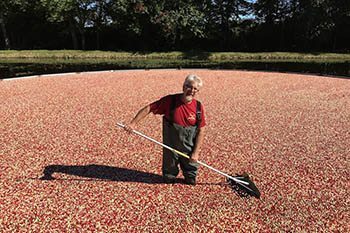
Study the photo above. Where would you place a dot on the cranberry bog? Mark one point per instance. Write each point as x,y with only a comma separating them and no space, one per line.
289,132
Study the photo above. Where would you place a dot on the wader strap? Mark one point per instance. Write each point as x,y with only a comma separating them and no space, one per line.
172,109
198,115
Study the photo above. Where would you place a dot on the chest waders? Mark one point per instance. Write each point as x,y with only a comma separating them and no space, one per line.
182,139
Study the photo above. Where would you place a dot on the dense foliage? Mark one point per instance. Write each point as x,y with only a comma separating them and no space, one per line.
159,25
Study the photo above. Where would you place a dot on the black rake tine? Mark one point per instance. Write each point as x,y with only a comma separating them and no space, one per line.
251,189
245,187
239,183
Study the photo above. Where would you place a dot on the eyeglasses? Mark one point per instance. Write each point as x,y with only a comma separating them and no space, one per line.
188,86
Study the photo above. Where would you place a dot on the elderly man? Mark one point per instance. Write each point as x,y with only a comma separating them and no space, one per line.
183,129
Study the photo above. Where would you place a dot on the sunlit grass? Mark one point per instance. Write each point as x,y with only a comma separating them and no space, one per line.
79,54
29,62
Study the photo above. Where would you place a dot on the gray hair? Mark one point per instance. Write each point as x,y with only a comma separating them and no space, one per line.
193,78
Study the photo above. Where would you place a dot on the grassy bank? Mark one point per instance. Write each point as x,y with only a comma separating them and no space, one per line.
35,62
77,54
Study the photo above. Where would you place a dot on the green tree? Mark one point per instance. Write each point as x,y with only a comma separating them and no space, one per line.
314,24
99,17
272,11
73,13
179,20
9,8
3,10
158,22
309,22
271,18
224,18
339,27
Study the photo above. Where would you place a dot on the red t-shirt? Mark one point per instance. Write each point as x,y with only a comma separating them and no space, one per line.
184,114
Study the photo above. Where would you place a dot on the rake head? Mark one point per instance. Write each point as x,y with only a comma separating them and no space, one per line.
245,188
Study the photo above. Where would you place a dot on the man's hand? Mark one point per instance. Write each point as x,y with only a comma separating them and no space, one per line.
194,158
129,127
139,116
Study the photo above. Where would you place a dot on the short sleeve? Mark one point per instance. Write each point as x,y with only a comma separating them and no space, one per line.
203,122
160,106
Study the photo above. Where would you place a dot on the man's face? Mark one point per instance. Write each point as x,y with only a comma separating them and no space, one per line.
190,89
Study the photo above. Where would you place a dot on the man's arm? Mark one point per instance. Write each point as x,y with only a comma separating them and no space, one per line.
139,116
198,144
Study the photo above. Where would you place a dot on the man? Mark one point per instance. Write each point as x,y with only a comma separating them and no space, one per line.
183,129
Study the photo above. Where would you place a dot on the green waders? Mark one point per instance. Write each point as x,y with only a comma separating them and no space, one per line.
182,139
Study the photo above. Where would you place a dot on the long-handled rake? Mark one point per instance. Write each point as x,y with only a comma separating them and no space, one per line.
241,183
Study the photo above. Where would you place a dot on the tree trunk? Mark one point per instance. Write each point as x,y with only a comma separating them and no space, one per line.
81,30
97,39
82,40
73,34
3,29
282,38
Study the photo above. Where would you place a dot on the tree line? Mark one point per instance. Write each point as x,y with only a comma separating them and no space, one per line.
163,25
